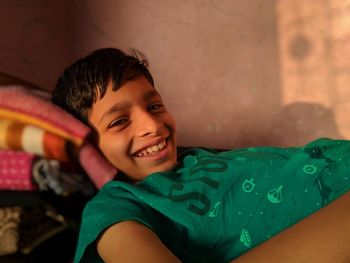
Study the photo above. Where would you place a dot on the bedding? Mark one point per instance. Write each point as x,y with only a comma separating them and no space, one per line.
32,123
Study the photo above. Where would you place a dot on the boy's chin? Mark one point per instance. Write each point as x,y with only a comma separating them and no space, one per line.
165,167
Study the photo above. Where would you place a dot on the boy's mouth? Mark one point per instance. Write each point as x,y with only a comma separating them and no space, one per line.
151,150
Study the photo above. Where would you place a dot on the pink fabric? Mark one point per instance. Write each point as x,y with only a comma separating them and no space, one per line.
16,170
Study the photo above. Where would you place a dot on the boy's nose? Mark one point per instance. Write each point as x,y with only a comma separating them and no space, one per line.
148,124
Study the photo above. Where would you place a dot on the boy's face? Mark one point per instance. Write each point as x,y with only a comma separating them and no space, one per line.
135,131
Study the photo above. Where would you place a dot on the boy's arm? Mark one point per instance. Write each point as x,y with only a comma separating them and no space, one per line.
323,237
131,241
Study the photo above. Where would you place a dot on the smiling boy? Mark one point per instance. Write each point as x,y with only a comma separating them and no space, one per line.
134,120
203,206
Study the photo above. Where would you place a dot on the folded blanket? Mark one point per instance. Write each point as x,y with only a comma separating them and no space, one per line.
26,112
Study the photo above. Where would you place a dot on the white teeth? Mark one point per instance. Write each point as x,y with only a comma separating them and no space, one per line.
162,145
152,149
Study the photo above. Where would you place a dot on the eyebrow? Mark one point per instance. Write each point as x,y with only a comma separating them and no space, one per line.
125,104
150,94
115,108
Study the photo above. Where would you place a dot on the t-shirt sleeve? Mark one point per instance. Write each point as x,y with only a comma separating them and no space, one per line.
113,204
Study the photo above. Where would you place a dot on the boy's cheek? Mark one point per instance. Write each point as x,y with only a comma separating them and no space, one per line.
108,150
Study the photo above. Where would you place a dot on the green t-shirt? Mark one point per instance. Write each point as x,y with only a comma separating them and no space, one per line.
218,205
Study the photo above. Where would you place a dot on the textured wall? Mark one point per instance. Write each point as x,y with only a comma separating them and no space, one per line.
233,72
35,39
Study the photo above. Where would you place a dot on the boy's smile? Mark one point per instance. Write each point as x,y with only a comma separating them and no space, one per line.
135,131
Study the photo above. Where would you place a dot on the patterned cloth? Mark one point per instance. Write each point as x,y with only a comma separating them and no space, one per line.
16,170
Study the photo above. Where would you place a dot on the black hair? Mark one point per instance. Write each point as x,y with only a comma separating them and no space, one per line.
86,81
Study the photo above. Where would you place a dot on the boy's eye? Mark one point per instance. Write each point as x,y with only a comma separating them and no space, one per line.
156,107
118,123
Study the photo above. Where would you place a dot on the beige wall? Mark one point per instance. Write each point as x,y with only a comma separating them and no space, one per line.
233,72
